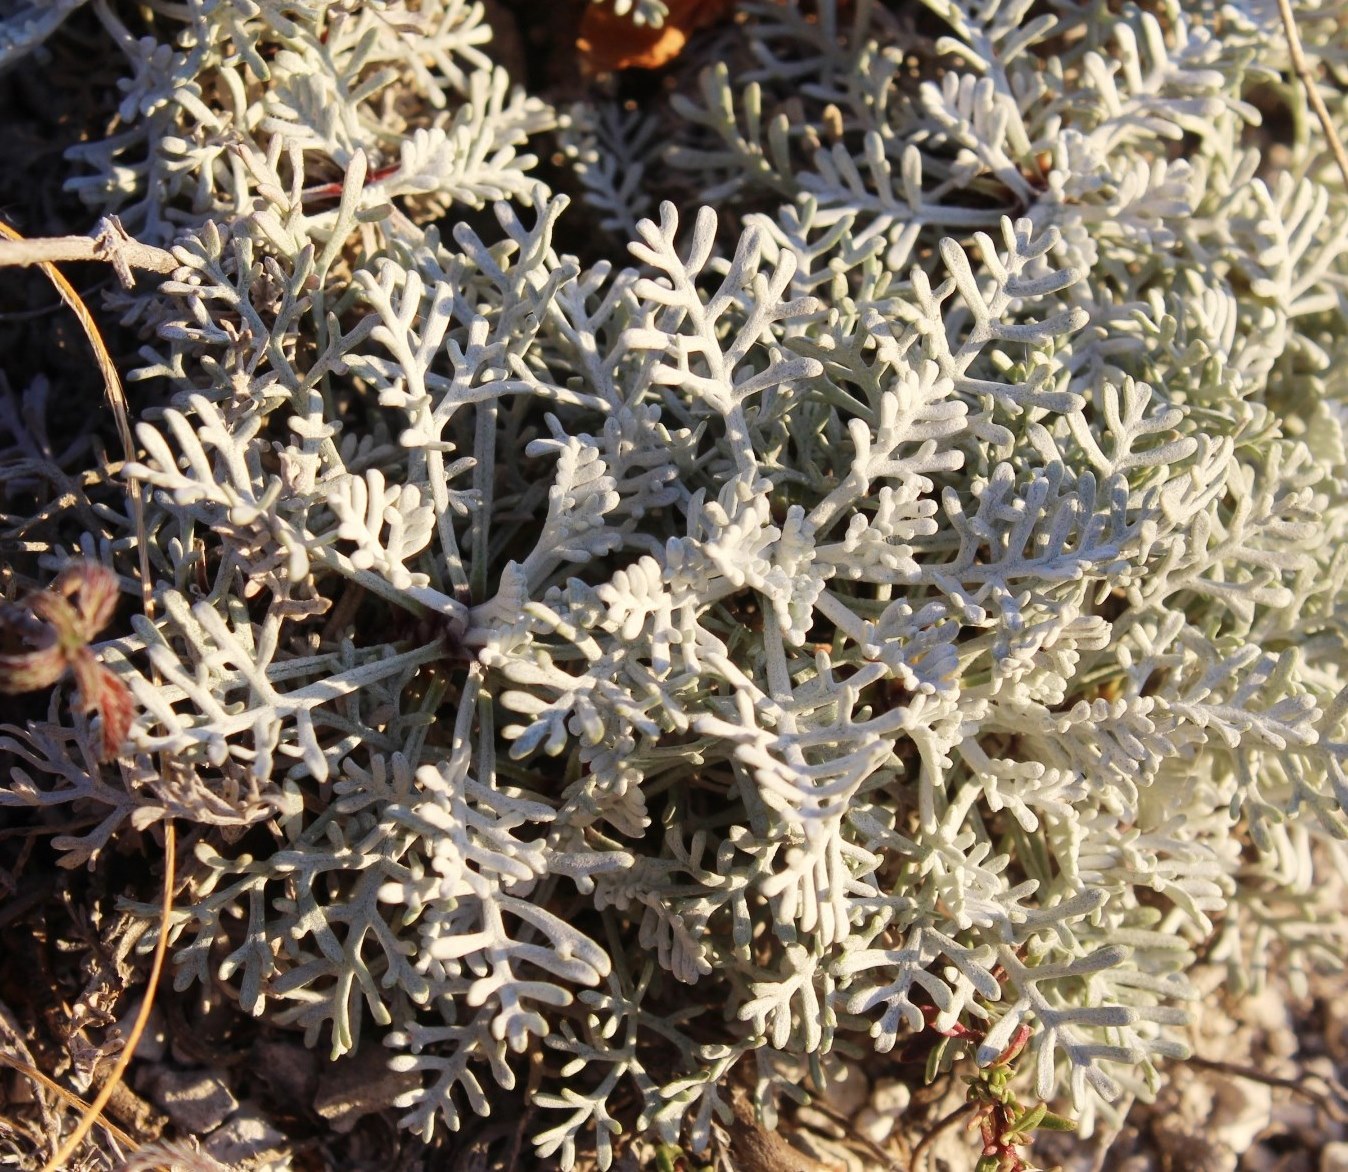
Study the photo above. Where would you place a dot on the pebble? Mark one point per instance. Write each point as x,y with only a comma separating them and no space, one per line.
848,1090
1194,1102
1208,979
1268,1011
814,1120
874,1125
1241,1110
888,1101
246,1135
154,1041
1322,1065
196,1100
1282,1043
1334,1157
891,1096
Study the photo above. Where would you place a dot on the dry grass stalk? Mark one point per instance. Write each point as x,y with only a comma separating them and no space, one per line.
1308,82
68,1097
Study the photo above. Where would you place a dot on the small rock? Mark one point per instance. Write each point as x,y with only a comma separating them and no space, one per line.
196,1100
891,1097
1321,1065
154,1041
1208,979
874,1125
1266,1007
811,1119
1194,1101
1334,1157
359,1085
848,1090
246,1135
1242,1109
888,1101
1282,1043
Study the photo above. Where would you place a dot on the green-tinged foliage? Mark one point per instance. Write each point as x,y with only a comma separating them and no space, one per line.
914,589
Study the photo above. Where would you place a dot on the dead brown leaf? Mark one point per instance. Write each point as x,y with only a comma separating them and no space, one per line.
610,42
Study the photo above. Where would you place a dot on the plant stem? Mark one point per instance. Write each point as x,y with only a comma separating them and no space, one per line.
111,244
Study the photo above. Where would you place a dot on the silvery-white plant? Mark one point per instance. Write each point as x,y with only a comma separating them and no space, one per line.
913,594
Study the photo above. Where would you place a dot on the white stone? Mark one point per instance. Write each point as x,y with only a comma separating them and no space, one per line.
1208,979
888,1100
1194,1099
1267,1010
1334,1157
811,1119
1321,1065
1282,1043
246,1135
848,1090
1242,1109
875,1125
891,1096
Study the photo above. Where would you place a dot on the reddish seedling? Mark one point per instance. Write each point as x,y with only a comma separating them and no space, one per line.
48,633
991,1106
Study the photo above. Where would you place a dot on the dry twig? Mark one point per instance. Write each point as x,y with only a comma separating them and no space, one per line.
111,244
1309,84
1331,1103
886,1160
919,1152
